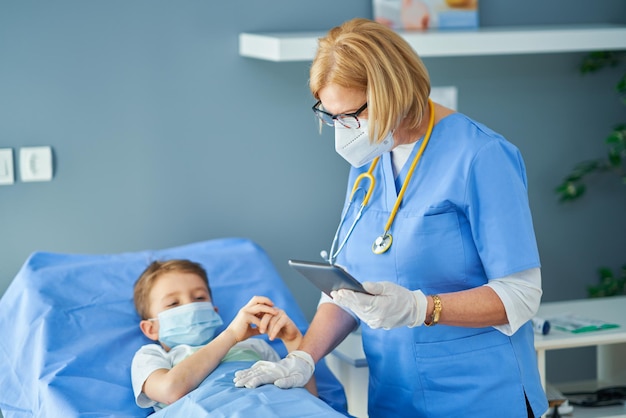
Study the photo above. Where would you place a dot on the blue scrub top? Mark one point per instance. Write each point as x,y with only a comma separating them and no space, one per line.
464,219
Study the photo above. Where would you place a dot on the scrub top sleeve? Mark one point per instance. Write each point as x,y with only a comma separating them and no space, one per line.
497,208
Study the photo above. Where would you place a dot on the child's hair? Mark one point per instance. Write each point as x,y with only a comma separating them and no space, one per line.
146,281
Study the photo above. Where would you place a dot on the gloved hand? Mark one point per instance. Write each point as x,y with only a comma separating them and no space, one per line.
295,370
390,306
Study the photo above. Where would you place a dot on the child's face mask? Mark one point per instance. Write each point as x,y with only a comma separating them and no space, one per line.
193,324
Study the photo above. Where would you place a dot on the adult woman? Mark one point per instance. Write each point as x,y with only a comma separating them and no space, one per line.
456,227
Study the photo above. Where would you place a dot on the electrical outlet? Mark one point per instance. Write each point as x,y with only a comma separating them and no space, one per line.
36,164
446,96
6,166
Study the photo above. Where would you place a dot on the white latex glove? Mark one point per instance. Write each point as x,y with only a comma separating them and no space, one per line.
295,370
390,306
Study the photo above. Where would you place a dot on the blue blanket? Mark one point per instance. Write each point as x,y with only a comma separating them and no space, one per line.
217,397
69,330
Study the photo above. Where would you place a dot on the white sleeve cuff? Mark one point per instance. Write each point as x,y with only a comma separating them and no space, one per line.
520,294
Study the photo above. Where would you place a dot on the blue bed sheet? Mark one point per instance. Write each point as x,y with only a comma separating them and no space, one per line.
68,332
218,398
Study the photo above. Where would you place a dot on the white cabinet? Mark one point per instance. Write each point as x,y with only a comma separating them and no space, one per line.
301,46
349,364
611,346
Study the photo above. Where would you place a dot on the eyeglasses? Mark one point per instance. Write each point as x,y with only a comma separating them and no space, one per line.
347,120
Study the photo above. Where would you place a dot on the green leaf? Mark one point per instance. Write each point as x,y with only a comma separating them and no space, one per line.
605,273
596,60
614,138
574,177
574,191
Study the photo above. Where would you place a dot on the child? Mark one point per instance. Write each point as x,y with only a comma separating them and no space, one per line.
174,301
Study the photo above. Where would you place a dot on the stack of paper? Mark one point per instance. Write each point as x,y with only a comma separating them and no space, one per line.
577,324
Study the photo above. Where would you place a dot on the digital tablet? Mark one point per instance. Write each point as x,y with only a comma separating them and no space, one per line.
327,277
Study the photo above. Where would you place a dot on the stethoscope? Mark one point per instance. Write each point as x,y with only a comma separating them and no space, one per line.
383,242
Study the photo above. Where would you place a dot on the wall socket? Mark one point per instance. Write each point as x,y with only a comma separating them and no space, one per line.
446,96
6,166
36,164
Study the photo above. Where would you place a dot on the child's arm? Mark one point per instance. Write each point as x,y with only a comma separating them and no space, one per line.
167,386
281,326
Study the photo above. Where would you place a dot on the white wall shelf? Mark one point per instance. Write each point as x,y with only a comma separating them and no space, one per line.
301,46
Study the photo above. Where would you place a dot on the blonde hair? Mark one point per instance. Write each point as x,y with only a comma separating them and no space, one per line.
147,279
366,55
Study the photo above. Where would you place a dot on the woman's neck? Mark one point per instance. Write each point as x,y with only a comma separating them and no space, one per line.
405,135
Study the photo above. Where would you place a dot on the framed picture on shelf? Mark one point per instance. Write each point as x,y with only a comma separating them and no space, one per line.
426,14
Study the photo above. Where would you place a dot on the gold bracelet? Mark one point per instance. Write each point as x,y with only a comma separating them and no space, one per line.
434,318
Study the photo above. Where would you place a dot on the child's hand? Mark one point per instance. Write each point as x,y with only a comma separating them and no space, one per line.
253,313
280,325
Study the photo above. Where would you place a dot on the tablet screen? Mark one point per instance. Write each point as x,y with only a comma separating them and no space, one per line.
327,277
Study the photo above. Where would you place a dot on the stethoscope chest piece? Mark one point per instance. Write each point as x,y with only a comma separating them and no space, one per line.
382,243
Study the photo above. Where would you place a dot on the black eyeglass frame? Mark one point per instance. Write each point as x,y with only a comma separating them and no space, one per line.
319,112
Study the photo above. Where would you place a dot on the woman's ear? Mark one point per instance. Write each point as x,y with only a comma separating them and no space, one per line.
150,329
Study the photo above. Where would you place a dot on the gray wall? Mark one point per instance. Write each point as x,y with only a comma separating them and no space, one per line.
164,135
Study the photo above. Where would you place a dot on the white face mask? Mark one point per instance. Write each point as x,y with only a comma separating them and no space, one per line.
193,324
354,145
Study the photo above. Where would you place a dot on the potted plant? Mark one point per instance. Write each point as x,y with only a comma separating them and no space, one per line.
573,185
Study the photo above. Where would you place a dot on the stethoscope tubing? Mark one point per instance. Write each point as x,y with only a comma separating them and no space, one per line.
333,254
372,182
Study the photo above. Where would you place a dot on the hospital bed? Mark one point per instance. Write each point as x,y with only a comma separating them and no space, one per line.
69,330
